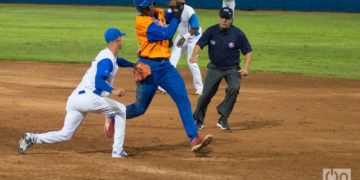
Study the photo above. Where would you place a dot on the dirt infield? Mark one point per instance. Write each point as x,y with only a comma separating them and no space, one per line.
283,127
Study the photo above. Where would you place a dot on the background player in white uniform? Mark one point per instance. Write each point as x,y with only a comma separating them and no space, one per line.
230,4
91,97
189,32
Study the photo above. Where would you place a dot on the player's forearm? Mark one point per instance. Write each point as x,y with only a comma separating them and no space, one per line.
121,62
100,84
172,28
158,33
193,31
247,60
190,33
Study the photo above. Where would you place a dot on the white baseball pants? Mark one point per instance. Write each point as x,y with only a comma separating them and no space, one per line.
77,107
230,4
194,67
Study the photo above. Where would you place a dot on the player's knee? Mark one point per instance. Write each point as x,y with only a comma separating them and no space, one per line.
67,135
135,110
193,66
140,109
233,90
122,108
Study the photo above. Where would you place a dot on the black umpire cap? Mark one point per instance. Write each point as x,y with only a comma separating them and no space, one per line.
226,12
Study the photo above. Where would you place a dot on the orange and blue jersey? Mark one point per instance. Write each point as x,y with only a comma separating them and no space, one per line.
154,36
154,51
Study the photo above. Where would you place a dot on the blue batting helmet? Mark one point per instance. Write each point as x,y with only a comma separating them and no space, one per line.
141,4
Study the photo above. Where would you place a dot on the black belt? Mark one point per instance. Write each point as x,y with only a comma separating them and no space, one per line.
154,59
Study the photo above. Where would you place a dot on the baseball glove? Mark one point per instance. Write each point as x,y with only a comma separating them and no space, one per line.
142,71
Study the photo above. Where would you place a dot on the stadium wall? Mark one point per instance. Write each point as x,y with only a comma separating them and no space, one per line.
286,5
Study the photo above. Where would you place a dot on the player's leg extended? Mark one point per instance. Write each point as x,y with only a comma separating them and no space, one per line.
232,78
176,52
194,68
175,86
110,106
72,121
145,91
212,82
119,134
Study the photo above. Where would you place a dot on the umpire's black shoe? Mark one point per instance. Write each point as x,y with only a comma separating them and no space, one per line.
223,123
199,124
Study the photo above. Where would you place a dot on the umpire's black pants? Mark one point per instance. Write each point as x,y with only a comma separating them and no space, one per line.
212,81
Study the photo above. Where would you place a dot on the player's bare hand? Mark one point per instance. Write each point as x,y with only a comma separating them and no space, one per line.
118,92
244,72
181,42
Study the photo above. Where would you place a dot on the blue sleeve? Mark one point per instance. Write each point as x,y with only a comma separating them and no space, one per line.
204,39
104,68
194,22
158,33
168,16
121,62
244,44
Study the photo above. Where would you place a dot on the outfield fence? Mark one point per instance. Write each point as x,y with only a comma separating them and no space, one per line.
286,5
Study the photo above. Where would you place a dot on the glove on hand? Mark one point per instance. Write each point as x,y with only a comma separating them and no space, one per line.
142,71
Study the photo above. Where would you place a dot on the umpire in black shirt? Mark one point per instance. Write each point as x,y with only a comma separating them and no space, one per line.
225,43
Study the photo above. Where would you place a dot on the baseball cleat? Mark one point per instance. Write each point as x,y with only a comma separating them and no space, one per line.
198,143
24,143
223,123
109,126
121,154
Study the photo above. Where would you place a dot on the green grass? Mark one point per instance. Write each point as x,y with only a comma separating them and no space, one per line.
315,44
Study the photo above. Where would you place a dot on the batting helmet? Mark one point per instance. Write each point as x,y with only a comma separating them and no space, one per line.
141,4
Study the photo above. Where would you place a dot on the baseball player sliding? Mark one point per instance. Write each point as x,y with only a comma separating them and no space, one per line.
91,97
189,32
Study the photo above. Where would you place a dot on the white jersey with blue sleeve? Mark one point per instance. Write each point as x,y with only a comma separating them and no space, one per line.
99,78
89,97
189,20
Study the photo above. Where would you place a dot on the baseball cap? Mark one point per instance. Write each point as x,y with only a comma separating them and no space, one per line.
226,12
112,34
